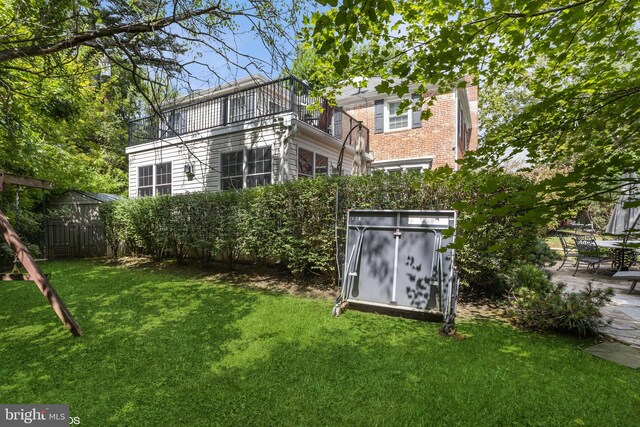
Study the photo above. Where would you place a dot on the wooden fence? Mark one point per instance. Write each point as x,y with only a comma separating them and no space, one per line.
72,240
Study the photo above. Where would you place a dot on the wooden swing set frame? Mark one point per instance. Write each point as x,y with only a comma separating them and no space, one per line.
34,274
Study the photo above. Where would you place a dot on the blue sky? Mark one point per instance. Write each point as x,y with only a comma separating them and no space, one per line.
246,42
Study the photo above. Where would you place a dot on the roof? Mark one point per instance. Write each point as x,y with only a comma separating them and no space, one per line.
99,197
222,89
353,94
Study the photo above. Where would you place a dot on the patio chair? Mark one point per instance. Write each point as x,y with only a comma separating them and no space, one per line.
568,248
589,254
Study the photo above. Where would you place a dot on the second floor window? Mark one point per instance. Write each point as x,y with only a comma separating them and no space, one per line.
395,121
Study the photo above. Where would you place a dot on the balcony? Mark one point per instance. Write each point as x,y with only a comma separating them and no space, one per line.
287,95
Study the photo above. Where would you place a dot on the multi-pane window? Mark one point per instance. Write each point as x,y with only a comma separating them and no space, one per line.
305,163
255,172
259,167
163,178
322,165
311,164
158,183
395,121
145,181
231,170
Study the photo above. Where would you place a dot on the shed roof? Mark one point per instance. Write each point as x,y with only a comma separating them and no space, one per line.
99,197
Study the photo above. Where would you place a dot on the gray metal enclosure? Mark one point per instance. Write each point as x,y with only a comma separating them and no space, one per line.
393,259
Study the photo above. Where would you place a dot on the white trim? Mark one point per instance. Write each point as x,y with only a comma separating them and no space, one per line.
423,163
154,178
245,164
223,89
456,107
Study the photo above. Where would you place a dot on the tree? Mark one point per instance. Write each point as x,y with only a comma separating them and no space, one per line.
575,61
73,73
60,111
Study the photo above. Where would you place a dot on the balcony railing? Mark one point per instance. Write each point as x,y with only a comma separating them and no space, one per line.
287,95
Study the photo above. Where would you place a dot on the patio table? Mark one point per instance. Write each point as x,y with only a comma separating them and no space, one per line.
623,256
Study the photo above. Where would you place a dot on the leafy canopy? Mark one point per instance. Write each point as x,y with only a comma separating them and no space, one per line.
576,62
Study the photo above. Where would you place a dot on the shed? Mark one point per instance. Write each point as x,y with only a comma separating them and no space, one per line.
74,228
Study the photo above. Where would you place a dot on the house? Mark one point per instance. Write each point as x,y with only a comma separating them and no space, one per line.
250,132
405,142
74,228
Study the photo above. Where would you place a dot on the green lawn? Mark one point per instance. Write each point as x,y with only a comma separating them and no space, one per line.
162,350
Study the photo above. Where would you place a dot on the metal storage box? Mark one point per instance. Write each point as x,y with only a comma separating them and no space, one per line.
399,260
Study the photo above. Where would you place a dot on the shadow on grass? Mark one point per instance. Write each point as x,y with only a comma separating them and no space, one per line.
161,350
144,334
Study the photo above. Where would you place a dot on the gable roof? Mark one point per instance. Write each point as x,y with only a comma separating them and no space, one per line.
222,89
352,94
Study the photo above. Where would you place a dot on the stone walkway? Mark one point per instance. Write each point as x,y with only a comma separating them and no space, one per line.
624,309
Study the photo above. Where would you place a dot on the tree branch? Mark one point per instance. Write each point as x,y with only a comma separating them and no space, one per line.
89,36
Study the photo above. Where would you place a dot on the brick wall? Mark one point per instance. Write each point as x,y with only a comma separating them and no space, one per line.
436,137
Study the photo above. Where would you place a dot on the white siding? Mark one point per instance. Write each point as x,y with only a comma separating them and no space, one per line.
204,155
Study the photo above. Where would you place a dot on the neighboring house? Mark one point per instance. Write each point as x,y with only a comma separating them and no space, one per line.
405,142
74,228
251,132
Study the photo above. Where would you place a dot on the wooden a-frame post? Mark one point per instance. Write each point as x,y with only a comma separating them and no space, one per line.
27,261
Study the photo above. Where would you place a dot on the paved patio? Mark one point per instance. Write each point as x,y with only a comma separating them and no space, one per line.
624,309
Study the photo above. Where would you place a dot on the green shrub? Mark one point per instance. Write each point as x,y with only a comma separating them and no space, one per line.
541,254
530,277
296,223
539,304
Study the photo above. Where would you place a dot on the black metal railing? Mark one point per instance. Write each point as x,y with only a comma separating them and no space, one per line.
267,99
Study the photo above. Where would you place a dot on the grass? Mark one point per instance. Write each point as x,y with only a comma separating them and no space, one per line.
164,350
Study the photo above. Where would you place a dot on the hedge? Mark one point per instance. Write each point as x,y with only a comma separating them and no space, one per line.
295,223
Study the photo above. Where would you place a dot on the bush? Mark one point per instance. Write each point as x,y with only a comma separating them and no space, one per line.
539,304
296,223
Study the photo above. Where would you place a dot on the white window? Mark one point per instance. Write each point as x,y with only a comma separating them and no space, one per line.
163,179
158,183
231,170
311,164
393,121
145,181
250,168
241,106
258,167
